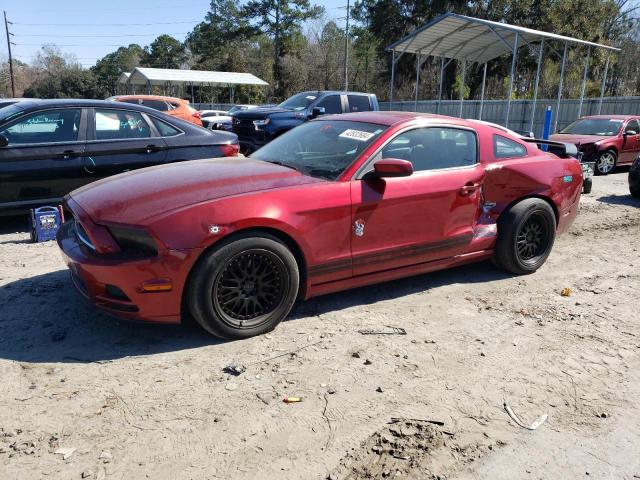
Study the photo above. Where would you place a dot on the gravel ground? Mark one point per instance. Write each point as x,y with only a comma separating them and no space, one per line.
86,396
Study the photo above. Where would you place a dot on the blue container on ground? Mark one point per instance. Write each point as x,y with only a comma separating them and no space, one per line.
44,223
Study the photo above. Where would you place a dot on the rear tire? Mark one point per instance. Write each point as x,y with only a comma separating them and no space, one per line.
526,233
635,192
244,287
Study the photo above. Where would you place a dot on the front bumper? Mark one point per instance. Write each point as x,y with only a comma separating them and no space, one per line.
95,277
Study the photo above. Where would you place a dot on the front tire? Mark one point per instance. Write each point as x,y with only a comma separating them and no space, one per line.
244,287
606,162
526,233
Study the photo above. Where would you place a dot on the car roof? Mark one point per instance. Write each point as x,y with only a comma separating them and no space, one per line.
37,104
323,92
392,118
620,117
150,97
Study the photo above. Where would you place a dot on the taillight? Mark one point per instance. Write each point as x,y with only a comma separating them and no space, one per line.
230,150
197,114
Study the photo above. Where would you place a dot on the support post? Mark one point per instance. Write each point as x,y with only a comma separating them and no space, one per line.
346,51
440,86
463,73
564,62
604,82
535,88
148,87
415,102
13,84
584,81
484,81
393,77
192,99
514,55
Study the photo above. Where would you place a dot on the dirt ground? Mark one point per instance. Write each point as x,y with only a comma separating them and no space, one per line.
86,396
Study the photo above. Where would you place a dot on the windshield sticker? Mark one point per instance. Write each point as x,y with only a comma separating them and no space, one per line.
357,135
310,97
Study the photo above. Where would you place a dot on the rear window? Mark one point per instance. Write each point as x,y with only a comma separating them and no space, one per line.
359,103
159,105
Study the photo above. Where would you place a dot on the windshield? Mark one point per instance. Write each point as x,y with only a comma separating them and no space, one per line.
7,113
323,148
299,101
594,126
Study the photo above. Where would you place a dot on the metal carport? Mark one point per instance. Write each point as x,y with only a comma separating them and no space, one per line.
148,77
468,39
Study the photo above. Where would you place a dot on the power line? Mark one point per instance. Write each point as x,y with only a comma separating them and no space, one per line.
101,36
104,24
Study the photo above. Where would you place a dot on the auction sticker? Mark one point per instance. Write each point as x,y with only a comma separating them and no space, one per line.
357,135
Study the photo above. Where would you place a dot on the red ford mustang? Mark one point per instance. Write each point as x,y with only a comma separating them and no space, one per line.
339,202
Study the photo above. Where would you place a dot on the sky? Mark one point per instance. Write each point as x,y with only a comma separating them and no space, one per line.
90,29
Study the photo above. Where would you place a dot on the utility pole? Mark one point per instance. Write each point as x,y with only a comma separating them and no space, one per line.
346,51
6,27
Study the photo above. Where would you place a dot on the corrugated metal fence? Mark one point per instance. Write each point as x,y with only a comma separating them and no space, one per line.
494,110
520,113
212,106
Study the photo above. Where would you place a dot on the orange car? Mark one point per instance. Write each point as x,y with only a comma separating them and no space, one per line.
176,107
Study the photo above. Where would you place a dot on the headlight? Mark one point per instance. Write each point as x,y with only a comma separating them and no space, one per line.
134,241
261,123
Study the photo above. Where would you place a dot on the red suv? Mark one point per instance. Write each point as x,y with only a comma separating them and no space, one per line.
607,140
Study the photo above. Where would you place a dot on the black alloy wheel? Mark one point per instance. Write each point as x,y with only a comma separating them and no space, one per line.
244,286
249,288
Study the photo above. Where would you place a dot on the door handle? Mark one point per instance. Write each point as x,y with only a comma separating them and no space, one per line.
153,148
67,154
469,187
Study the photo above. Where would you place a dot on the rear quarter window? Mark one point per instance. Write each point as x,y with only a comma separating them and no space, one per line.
504,147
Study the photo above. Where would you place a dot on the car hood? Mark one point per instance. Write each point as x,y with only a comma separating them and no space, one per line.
139,196
261,112
578,139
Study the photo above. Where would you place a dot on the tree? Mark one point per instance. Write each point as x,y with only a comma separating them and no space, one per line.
223,25
164,52
281,20
109,68
67,83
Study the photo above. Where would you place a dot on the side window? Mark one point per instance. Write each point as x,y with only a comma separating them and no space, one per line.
165,129
120,124
45,127
506,148
156,105
633,125
359,103
331,104
434,148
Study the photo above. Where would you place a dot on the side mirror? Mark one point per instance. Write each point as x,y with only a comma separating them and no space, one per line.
316,111
630,132
4,141
392,167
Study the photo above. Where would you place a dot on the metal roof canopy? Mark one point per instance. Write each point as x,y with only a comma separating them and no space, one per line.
452,36
168,76
159,76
